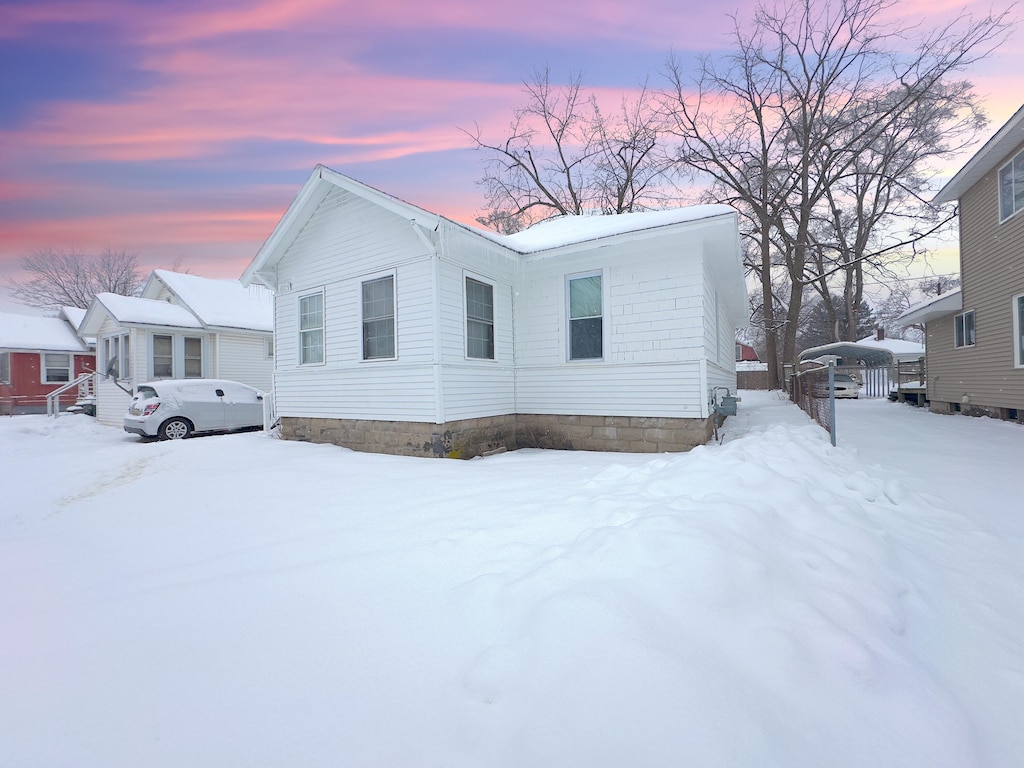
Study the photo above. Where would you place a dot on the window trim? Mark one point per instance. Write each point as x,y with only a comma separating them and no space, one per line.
960,330
44,369
5,367
322,327
1014,208
568,316
122,341
185,357
373,278
178,359
466,277
152,355
1017,307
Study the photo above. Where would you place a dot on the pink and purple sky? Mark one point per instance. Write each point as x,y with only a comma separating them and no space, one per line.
182,129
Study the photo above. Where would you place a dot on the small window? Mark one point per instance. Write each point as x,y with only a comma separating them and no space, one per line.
1018,331
163,357
1011,187
5,367
56,367
586,318
268,349
193,357
479,320
963,330
311,329
379,318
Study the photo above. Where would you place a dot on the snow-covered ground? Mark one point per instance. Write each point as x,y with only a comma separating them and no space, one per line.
770,601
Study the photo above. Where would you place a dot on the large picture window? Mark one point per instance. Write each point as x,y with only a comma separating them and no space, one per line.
56,367
479,320
379,318
586,318
963,330
1011,187
311,329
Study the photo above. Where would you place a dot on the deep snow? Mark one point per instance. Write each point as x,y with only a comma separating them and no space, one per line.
769,601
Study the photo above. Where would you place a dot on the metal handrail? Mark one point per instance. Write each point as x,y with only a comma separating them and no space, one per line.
53,398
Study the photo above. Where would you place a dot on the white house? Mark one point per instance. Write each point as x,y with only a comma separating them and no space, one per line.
182,326
401,331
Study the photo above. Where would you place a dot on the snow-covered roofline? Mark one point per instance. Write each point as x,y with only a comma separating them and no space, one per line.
928,310
35,333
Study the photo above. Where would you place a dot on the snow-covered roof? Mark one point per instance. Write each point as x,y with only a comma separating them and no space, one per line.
74,315
38,333
138,311
937,306
896,346
221,303
569,230
870,355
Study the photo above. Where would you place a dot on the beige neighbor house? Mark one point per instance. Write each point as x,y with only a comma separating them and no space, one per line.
401,331
975,336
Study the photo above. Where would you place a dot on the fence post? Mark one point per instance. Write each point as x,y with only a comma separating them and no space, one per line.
832,401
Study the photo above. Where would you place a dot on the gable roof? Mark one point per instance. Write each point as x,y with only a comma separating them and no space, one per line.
133,310
38,333
985,159
217,303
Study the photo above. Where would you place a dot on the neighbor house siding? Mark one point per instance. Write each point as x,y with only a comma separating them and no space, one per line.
242,357
992,273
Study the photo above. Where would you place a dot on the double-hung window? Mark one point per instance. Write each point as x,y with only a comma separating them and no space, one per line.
56,367
163,356
379,318
479,320
193,357
586,317
1018,331
311,329
1011,187
963,330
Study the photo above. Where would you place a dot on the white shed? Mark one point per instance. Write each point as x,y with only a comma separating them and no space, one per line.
183,326
401,331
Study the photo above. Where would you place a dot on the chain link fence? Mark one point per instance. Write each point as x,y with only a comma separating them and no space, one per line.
812,391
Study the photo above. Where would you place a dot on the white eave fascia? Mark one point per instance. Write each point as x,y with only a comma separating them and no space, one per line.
946,304
984,160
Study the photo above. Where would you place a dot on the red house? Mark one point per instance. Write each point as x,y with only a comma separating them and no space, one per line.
38,355
745,352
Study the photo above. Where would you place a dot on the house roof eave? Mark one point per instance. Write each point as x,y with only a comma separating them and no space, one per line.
984,160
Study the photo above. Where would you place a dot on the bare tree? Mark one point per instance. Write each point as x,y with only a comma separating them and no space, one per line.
564,156
819,129
59,278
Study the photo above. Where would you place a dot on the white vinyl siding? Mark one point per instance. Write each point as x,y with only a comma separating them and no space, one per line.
241,357
56,367
1011,187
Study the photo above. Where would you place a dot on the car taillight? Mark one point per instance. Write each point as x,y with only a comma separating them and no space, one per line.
150,409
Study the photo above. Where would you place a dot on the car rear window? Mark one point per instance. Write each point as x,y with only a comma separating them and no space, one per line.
145,393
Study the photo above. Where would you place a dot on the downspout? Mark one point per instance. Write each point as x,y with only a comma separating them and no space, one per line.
435,293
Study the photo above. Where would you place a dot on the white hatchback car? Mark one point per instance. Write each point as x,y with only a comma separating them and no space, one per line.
178,408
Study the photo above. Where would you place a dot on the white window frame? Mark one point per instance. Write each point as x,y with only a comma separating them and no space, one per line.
1018,330
268,348
322,328
466,277
390,275
185,357
114,347
960,327
568,316
5,367
45,368
152,356
1012,172
178,358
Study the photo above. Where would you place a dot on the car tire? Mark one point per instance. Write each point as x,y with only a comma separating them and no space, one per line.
175,429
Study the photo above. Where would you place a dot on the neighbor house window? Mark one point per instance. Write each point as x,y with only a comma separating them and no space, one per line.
1018,330
56,367
193,358
311,329
5,367
379,318
116,357
586,318
963,330
479,320
268,350
163,357
1011,187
